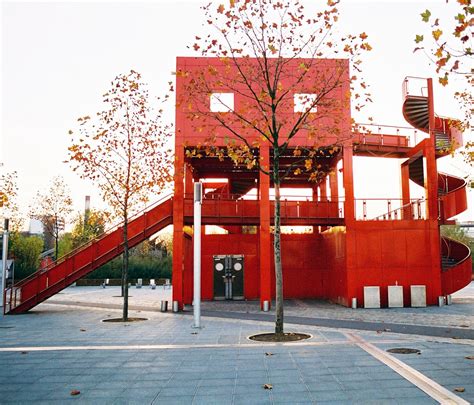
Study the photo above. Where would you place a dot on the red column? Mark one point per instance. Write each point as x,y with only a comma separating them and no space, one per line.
178,223
405,178
431,175
323,200
348,181
334,188
264,231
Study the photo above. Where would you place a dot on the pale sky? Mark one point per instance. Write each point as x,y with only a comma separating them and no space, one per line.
59,57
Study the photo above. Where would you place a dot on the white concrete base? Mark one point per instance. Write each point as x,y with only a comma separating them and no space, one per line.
441,301
418,296
371,297
449,299
395,296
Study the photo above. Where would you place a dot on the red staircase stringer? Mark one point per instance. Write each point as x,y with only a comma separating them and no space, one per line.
45,283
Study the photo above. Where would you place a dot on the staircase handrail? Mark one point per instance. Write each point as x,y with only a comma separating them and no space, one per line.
92,241
446,175
446,240
404,206
405,87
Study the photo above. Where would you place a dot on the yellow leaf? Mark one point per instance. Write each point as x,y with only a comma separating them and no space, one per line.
437,34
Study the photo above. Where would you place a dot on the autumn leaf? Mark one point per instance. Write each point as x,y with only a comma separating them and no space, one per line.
425,16
221,9
418,39
443,80
363,36
437,34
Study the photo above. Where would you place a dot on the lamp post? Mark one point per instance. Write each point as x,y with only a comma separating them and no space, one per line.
4,259
197,254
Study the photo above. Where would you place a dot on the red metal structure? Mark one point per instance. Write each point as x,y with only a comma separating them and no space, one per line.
350,246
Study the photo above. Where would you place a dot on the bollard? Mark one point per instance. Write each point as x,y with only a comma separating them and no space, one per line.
266,306
164,306
449,300
354,303
441,301
175,306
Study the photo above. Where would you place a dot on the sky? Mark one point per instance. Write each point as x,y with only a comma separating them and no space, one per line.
58,58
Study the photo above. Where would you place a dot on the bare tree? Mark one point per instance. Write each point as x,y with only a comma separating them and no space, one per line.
53,208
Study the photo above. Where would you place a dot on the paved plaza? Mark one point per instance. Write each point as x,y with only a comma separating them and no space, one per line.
62,347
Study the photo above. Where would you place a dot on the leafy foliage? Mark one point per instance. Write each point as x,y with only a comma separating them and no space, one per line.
25,250
124,150
451,51
8,201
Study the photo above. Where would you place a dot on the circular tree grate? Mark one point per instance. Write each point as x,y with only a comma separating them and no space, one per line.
280,337
404,350
121,320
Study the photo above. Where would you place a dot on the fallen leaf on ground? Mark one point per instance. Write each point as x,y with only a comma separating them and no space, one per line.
387,330
464,326
194,333
82,330
75,392
268,354
469,357
24,352
267,386
459,389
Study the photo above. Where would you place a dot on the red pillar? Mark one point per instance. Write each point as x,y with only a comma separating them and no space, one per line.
323,200
178,224
405,178
264,234
431,175
348,181
334,188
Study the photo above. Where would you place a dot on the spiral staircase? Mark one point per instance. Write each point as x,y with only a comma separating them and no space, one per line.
456,262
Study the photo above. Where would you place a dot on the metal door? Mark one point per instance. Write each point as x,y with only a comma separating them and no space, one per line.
228,277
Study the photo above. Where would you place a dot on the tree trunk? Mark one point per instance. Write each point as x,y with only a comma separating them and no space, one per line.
125,269
277,248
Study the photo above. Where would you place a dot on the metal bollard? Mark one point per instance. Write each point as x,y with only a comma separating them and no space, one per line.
175,306
164,306
266,306
354,303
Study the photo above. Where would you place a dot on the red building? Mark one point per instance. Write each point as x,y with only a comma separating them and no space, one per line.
348,243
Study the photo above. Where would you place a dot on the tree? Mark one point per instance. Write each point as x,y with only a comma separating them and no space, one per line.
124,151
53,208
88,226
451,51
268,51
25,250
8,200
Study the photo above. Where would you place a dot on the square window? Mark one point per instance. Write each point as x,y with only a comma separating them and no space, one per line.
304,101
222,102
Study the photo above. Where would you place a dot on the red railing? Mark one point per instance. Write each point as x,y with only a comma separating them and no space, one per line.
460,274
389,209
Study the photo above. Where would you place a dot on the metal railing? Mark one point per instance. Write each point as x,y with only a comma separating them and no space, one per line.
390,209
388,135
415,86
